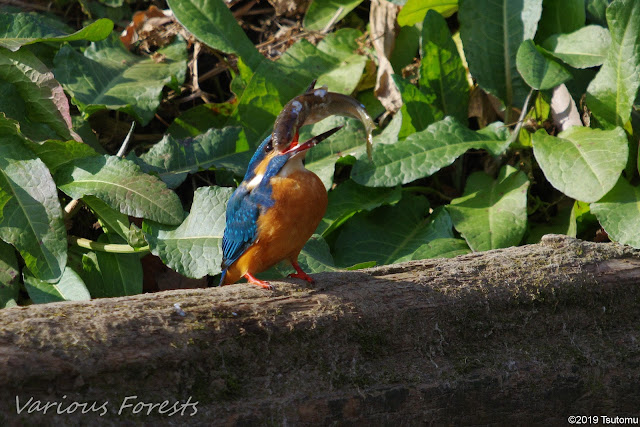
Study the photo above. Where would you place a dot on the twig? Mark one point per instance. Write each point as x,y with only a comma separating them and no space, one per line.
333,20
125,143
520,122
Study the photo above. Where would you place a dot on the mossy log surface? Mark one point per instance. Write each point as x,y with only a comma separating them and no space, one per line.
523,335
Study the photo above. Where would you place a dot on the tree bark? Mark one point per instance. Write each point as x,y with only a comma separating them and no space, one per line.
531,334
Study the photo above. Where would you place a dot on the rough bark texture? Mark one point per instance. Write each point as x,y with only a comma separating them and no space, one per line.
525,335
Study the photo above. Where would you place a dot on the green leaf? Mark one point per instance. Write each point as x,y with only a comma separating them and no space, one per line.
9,276
30,95
597,10
442,73
584,48
26,28
409,39
121,273
123,186
414,11
212,22
55,154
315,257
194,247
538,68
419,110
350,198
392,234
582,163
421,154
619,213
350,141
273,84
115,221
108,76
70,287
342,47
321,12
30,212
172,159
492,214
199,119
491,32
560,16
611,93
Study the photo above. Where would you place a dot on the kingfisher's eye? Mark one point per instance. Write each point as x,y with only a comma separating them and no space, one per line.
268,147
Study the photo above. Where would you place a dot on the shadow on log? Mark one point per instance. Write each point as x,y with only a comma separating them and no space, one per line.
523,335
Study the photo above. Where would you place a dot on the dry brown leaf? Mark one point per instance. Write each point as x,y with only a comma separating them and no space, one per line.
563,109
290,7
382,18
149,29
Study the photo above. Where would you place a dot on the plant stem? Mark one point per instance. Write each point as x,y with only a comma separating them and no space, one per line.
113,248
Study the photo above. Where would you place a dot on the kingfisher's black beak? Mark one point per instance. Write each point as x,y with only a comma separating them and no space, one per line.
298,148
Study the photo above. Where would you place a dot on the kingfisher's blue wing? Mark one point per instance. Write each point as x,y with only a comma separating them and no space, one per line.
242,226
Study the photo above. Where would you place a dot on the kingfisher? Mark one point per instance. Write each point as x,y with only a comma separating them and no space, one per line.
279,204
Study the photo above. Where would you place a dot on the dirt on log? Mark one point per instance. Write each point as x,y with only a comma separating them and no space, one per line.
524,335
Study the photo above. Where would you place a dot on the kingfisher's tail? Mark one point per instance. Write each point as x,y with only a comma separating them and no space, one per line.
224,273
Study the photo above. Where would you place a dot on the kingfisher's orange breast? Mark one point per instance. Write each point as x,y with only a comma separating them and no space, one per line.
300,202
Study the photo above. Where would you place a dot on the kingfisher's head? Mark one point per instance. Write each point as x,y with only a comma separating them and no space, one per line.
269,158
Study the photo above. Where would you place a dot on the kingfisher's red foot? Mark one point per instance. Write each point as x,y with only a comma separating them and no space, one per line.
263,284
300,274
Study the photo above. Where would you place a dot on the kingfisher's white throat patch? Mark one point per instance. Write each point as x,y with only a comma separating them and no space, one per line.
255,181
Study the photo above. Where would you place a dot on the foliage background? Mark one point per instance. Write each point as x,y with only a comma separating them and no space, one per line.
517,119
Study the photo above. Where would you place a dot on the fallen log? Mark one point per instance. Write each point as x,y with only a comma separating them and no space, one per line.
524,335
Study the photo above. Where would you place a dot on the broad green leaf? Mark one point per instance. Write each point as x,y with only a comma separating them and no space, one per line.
70,287
194,247
172,159
560,16
584,48
611,93
199,119
392,234
55,154
273,84
212,22
121,273
322,12
421,154
538,68
492,214
619,213
123,186
409,39
414,11
115,221
349,141
491,31
20,29
315,257
9,276
350,198
419,109
441,71
108,76
30,212
30,94
597,11
582,163
346,74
